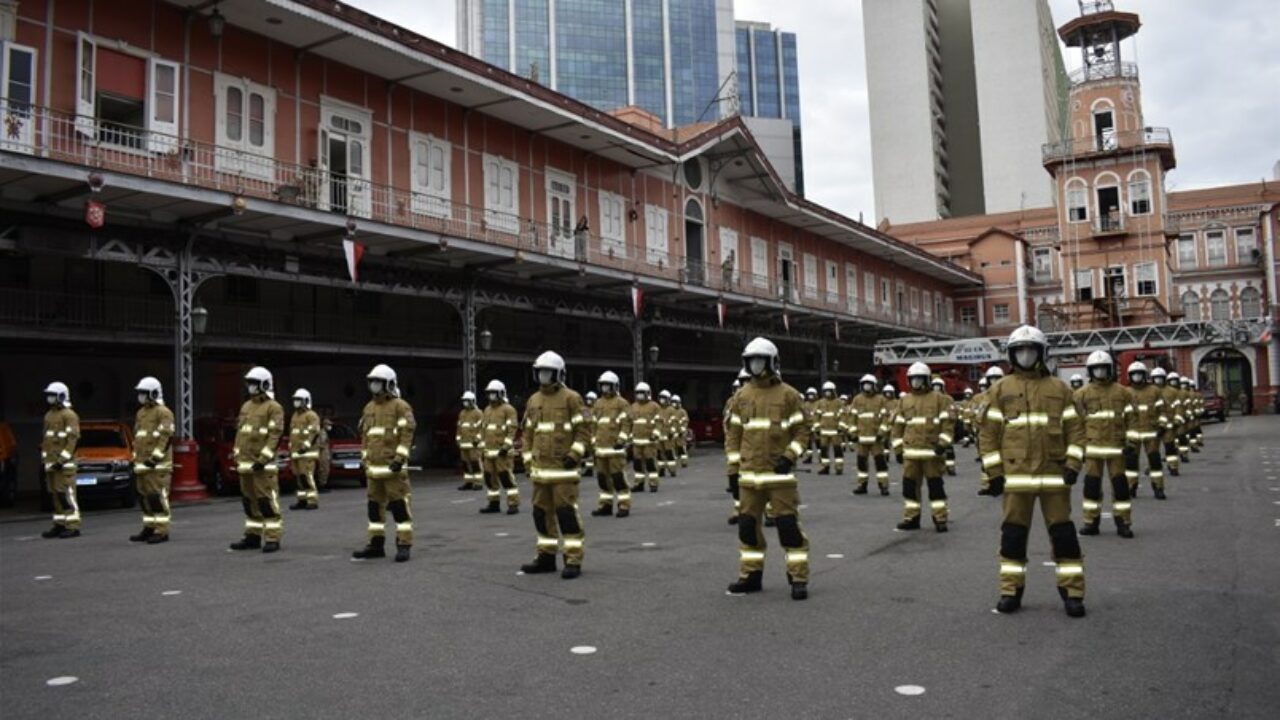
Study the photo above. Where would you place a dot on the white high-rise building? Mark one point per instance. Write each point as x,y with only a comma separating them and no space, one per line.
963,95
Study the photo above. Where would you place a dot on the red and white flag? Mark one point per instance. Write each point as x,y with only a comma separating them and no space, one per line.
786,322
721,311
637,300
354,251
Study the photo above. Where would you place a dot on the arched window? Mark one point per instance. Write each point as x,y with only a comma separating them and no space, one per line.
1220,305
1077,200
1139,193
1191,306
1250,303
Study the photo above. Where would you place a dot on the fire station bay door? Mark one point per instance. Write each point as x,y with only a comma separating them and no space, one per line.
344,161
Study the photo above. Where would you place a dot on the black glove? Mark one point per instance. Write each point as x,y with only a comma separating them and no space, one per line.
620,446
898,456
56,467
783,466
997,486
150,463
502,452
395,466
1069,476
939,449
570,463
631,456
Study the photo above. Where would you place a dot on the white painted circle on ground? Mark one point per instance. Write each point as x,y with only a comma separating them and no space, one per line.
501,534
582,649
44,577
25,538
519,573
61,680
171,592
835,556
649,544
345,615
1049,563
802,507
909,690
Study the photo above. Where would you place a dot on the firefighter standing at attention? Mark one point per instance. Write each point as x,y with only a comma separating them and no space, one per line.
826,414
666,438
1032,439
810,407
58,454
612,429
1108,416
731,463
260,425
304,433
951,425
681,436
646,416
386,430
1172,421
555,437
153,430
469,436
768,433
498,441
1143,436
870,429
993,375
589,460
890,412
921,433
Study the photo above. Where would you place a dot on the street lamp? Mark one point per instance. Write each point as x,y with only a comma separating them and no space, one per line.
835,365
217,23
653,354
486,339
199,319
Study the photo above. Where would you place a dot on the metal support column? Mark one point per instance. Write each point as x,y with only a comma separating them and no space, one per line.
637,352
822,360
468,311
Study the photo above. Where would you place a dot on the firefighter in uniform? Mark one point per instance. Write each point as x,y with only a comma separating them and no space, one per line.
965,410
1143,435
469,436
826,418
1178,384
556,436
499,423
1197,437
666,438
1077,381
1032,437
681,437
1108,416
612,428
810,411
646,417
1193,400
890,412
768,433
952,425
304,432
1172,421
58,454
731,464
589,460
989,379
386,431
153,430
869,428
921,433
258,431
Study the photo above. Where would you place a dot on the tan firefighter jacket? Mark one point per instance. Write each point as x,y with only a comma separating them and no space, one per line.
923,421
612,425
153,430
1108,414
1148,409
499,423
1032,428
386,431
470,433
555,428
61,433
768,424
258,431
870,413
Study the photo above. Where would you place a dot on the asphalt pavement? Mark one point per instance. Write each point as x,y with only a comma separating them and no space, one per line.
1182,621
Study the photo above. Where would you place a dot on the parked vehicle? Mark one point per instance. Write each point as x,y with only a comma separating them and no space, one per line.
344,454
1214,406
216,438
706,426
8,465
104,464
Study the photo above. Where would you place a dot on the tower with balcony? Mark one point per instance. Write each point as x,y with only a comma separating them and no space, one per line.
1109,176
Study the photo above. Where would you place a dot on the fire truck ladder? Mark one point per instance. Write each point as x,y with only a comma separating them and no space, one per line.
899,351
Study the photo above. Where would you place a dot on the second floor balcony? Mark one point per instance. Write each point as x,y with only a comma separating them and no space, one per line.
1155,140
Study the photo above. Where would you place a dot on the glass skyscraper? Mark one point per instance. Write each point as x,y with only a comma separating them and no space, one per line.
681,60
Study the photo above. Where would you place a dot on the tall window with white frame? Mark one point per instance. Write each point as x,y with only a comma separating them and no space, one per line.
1215,245
1220,305
1186,251
613,241
1250,303
968,315
1000,314
1145,276
17,97
1042,264
1077,201
1139,193
1084,285
431,160
244,127
1246,246
501,194
1191,306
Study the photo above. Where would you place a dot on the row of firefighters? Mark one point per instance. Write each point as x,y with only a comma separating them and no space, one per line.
1035,434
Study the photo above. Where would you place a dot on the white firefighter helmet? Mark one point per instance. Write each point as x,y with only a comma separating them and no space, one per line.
1174,378
469,396
829,386
386,376
258,379
743,375
844,398
918,369
993,373
938,382
810,393
608,377
868,379
757,350
1136,367
888,389
590,397
552,361
643,388
902,394
1158,375
1098,357
304,395
58,394
1077,379
675,400
968,392
496,386
664,394
150,387
1027,347
984,383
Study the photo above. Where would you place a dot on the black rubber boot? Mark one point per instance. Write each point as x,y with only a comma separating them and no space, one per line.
300,505
653,488
1159,493
984,491
825,470
271,546
1010,603
749,584
493,507
884,491
799,591
861,489
157,539
540,564
624,512
940,526
377,548
1089,528
909,524
1074,607
571,571
402,553
513,510
52,532
68,533
602,511
248,542
464,486
769,522
143,536
733,519
1124,529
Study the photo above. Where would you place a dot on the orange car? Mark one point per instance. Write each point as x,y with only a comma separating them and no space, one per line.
104,463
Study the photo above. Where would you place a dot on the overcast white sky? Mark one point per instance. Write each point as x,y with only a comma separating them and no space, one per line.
1210,73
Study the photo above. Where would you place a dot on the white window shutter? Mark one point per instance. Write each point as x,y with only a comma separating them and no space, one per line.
163,94
86,84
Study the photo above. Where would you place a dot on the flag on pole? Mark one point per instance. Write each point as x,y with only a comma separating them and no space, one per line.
354,251
637,300
786,322
837,331
721,310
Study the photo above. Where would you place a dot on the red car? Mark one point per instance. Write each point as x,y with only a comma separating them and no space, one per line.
706,426
344,454
1214,407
